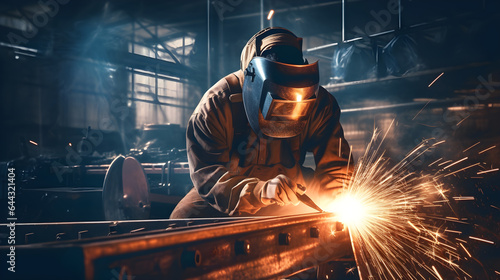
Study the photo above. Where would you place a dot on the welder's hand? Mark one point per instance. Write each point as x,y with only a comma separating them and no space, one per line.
281,190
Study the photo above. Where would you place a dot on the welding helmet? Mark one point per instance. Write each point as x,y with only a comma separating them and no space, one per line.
278,97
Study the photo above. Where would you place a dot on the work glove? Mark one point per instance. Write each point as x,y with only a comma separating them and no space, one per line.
281,190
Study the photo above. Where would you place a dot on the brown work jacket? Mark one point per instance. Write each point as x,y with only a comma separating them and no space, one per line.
229,164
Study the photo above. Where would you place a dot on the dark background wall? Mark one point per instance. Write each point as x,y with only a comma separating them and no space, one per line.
116,65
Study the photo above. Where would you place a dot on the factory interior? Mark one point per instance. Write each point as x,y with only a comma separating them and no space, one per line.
96,97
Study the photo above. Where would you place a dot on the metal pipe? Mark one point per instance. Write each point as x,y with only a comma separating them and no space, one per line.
261,14
162,103
350,40
289,9
399,15
157,40
209,72
431,103
7,45
321,47
343,21
410,28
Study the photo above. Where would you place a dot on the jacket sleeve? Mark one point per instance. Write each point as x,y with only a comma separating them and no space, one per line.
325,138
209,139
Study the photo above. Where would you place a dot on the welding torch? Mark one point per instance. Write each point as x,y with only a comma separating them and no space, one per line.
304,198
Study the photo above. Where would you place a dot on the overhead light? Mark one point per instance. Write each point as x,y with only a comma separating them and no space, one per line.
270,15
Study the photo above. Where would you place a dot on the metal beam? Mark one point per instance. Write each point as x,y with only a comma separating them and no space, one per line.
256,248
304,7
409,29
157,39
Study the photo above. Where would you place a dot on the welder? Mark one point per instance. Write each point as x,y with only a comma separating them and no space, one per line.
248,137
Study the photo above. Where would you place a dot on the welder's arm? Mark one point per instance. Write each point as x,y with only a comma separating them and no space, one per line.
209,133
331,150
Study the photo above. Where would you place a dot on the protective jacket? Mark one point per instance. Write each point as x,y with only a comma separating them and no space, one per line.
229,164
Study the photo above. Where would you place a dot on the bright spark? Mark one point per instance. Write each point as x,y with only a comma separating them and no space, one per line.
492,147
482,240
380,206
487,171
421,110
458,198
435,162
461,169
437,273
443,163
414,226
435,79
270,15
456,162
462,120
471,147
463,247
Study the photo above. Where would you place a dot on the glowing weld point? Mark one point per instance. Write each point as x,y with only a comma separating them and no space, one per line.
349,209
378,200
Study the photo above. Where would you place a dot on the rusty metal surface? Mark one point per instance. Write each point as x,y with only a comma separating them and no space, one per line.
32,233
256,248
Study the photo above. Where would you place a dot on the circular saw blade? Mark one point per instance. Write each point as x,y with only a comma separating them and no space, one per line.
112,191
125,193
135,190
